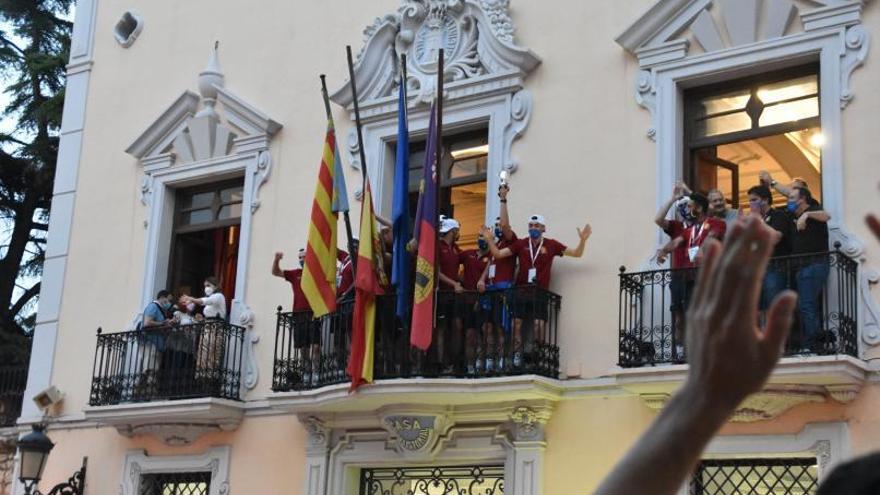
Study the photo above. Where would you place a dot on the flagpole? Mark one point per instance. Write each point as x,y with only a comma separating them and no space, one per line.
345,215
357,115
439,172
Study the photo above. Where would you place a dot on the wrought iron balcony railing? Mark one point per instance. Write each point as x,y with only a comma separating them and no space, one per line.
13,380
651,332
176,362
312,353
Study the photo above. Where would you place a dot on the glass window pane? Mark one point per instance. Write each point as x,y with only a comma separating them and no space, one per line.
723,103
197,216
230,211
231,195
790,112
199,200
469,167
724,124
786,90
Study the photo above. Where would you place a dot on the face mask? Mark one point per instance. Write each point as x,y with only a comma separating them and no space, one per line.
190,307
302,263
689,217
498,233
209,290
534,233
483,244
792,206
166,305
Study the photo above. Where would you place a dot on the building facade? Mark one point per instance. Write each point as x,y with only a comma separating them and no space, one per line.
181,159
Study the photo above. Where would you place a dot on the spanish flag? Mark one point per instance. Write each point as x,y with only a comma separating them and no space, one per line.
319,272
367,285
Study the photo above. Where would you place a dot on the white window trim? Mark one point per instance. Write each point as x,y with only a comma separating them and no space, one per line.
828,442
215,460
834,37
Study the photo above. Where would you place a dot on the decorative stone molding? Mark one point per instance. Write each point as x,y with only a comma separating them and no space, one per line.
128,28
646,97
173,422
765,405
245,318
529,423
857,43
318,432
484,72
138,463
869,317
843,393
415,435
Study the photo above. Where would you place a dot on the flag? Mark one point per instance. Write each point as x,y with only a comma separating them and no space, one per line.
340,192
426,237
367,285
400,261
319,271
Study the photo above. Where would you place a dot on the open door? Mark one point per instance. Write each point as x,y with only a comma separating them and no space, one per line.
710,172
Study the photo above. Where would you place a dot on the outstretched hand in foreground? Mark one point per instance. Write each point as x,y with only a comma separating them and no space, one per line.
730,357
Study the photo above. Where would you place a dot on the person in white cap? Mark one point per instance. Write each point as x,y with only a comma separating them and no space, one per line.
535,254
449,260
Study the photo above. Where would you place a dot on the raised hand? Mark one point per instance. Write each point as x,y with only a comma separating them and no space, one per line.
585,232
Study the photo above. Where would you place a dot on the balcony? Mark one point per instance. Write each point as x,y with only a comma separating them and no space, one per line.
311,354
148,379
652,357
13,380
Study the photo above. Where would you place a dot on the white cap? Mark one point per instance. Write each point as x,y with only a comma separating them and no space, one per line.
448,224
538,219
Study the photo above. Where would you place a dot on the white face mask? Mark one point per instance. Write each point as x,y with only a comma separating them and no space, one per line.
209,290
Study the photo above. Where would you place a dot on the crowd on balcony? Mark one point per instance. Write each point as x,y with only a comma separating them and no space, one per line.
482,309
801,231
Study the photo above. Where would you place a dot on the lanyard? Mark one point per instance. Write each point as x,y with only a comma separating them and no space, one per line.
534,254
695,233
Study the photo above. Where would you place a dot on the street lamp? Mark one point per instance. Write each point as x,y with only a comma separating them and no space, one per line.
33,450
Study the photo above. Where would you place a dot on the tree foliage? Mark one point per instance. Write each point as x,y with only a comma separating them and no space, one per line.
34,47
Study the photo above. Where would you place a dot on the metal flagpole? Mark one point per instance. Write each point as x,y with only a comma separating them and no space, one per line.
345,214
357,116
439,192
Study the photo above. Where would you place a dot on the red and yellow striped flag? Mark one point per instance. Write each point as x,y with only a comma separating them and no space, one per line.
368,284
319,272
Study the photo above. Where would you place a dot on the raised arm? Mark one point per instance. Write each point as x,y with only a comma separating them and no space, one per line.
720,340
677,193
498,254
583,235
276,265
504,220
384,221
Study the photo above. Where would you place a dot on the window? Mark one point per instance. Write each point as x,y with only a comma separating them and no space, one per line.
206,233
463,164
769,123
460,480
773,476
175,484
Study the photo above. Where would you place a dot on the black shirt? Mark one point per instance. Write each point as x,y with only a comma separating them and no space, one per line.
780,220
814,238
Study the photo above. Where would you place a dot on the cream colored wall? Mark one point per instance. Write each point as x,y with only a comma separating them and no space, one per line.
584,157
267,457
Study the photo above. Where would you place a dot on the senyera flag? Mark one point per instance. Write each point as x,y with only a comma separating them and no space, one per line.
319,272
368,283
425,236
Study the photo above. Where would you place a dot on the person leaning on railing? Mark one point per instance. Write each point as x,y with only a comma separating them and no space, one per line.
210,350
474,264
535,255
144,354
810,237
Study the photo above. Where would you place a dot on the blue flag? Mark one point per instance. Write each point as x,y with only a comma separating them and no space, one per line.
340,192
401,264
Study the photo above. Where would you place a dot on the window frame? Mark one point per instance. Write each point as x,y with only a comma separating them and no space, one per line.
215,460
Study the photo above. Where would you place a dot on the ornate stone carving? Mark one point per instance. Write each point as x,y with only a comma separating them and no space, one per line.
765,405
646,97
414,434
823,454
146,194
869,310
529,423
318,432
843,393
476,35
520,114
245,317
857,42
261,175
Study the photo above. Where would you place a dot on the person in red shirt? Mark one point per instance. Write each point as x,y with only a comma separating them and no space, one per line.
535,255
306,331
450,307
474,263
345,273
498,279
693,231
